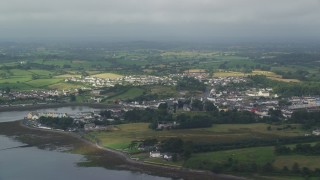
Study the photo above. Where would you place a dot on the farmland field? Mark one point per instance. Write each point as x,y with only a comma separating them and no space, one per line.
259,155
128,94
107,76
65,86
268,74
218,133
304,161
43,82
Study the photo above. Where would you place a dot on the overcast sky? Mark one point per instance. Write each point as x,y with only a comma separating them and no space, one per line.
160,19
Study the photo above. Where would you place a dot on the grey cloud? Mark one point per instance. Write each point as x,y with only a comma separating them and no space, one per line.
140,18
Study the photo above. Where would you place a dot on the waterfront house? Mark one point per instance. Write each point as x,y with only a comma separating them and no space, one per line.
155,154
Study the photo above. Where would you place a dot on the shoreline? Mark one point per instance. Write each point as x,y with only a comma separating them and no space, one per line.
45,106
132,164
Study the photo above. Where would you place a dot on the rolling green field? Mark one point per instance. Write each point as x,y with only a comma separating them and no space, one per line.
259,155
121,137
127,94
304,161
65,86
126,133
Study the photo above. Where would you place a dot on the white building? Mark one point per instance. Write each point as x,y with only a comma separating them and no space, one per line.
155,154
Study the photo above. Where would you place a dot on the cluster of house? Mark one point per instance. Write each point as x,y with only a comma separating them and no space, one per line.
34,94
224,81
136,80
94,127
37,115
158,154
307,102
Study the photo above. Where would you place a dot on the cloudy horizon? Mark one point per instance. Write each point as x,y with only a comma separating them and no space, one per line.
160,19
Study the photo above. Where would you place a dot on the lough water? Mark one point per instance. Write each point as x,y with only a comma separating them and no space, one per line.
18,115
30,163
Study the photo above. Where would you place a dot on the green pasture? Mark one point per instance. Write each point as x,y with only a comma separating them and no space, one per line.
65,86
38,83
312,162
258,155
41,72
107,76
128,94
126,133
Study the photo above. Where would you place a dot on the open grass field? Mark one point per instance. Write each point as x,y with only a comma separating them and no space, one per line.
258,129
107,76
259,155
218,133
41,72
128,94
268,74
229,74
15,79
189,53
18,77
68,76
65,86
312,162
196,71
164,91
16,86
38,83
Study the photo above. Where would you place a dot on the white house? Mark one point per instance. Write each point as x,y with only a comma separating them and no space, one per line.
33,115
316,132
167,157
155,154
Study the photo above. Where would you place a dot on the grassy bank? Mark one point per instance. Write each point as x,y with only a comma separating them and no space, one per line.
96,157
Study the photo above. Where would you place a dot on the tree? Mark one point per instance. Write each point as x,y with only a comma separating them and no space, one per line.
295,168
34,76
173,145
150,142
267,167
7,90
73,98
105,114
187,149
209,106
197,105
163,106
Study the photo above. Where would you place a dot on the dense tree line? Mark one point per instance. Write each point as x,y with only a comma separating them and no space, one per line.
177,146
190,84
233,165
285,89
294,58
188,122
234,117
304,149
147,115
298,89
254,142
308,119
57,123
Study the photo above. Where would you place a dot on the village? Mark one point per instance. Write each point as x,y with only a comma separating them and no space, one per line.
257,100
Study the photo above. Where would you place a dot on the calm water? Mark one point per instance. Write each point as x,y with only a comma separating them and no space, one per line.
17,115
31,163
